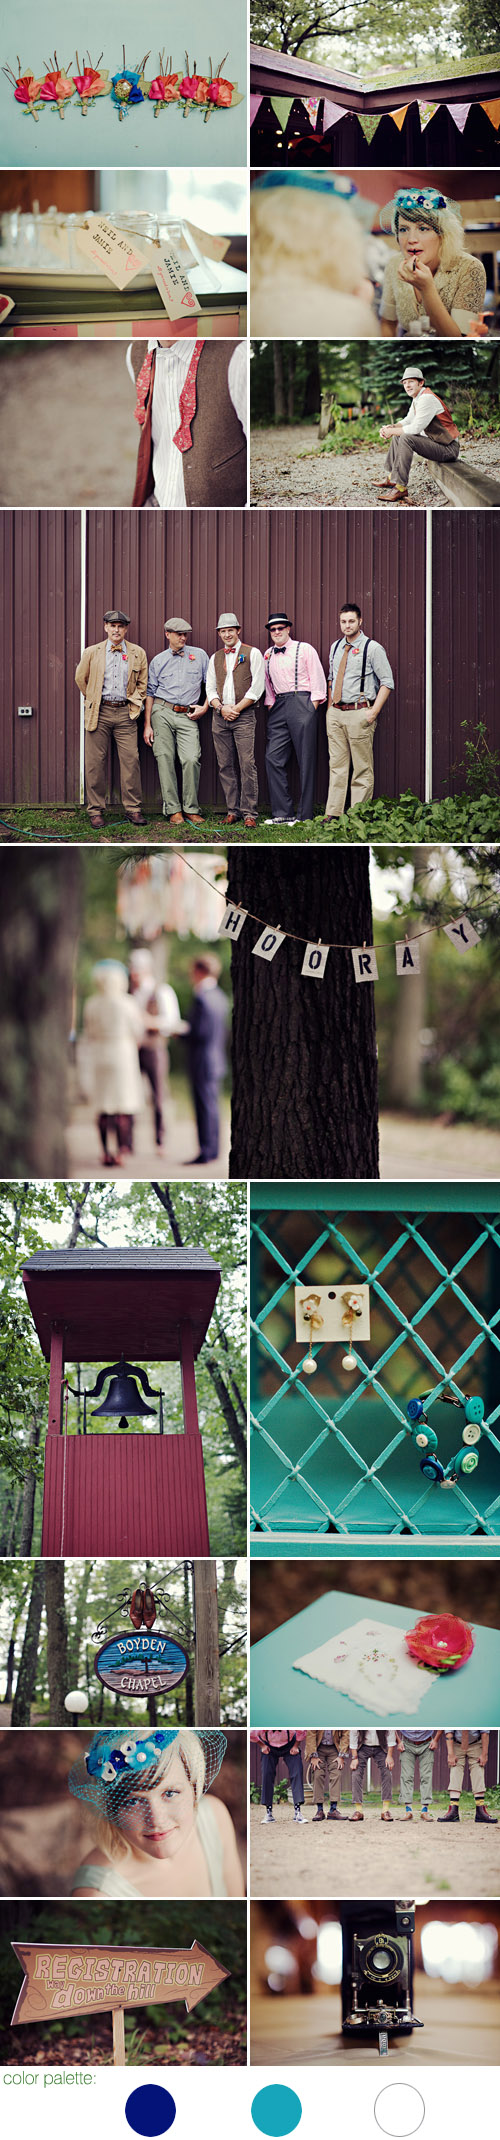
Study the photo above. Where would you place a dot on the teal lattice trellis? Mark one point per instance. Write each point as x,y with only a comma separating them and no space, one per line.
327,1455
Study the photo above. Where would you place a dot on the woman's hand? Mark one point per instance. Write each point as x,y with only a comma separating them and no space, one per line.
420,276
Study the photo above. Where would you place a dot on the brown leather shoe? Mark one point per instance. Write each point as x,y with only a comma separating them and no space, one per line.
318,1815
386,1815
136,817
409,1816
136,1607
177,818
96,819
427,1816
232,818
357,1815
149,1608
194,817
252,821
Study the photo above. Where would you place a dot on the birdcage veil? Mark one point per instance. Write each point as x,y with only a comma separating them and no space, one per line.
118,1764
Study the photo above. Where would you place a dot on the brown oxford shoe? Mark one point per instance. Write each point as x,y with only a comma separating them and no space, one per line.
251,821
194,817
232,818
177,818
136,817
96,819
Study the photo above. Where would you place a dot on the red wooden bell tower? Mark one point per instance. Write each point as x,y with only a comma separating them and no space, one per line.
121,1494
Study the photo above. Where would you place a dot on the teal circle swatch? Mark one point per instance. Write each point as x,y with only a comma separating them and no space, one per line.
276,2111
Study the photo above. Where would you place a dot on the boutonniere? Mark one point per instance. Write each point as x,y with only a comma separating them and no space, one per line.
56,87
241,657
129,86
190,654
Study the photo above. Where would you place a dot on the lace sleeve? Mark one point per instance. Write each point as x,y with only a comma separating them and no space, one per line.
388,306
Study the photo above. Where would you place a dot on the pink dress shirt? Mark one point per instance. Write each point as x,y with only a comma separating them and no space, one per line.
279,1738
280,671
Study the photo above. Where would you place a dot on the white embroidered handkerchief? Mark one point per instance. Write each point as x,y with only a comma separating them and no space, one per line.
370,1663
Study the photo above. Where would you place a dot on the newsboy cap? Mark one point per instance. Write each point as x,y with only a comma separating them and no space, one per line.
228,619
278,616
177,624
115,616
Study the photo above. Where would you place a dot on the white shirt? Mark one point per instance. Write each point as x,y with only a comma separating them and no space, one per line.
422,409
171,370
167,1016
257,671
370,1739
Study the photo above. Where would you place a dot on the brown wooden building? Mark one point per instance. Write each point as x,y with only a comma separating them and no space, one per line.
427,584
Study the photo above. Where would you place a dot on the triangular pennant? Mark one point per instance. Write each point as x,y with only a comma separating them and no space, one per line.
255,103
492,109
426,113
311,105
331,114
459,113
369,121
399,116
282,107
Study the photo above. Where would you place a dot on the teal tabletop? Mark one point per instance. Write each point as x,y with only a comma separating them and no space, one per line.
279,1695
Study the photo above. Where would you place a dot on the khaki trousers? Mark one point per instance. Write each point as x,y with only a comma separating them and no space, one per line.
350,742
402,449
175,732
113,721
327,1777
476,1773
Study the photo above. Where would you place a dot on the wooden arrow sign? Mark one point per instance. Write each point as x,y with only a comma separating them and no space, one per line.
86,1980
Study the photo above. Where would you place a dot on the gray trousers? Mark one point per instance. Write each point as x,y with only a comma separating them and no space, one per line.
366,1754
234,750
410,1755
402,449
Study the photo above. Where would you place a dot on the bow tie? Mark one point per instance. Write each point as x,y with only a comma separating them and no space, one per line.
280,650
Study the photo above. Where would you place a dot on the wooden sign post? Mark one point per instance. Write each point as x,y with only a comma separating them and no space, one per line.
68,1980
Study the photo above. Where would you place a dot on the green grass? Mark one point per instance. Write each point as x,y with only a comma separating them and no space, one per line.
454,818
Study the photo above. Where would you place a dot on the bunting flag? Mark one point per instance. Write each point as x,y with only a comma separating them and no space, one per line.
312,105
460,931
492,109
459,113
369,121
426,113
399,116
255,103
282,107
331,114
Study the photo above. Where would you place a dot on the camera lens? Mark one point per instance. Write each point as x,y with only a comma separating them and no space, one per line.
381,1960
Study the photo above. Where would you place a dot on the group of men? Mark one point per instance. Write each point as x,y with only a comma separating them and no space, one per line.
326,1754
181,684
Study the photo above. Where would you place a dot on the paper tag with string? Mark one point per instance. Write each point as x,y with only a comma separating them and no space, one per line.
171,280
314,961
364,962
269,943
213,248
112,250
461,933
407,957
232,922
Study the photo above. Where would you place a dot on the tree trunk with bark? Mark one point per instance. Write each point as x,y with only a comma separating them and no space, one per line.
26,1538
26,1678
57,1640
290,392
39,915
304,1053
207,1682
279,384
77,1620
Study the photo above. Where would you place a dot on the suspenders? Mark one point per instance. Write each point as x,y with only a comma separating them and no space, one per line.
268,666
366,650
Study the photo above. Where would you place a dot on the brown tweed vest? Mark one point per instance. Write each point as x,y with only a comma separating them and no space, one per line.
215,466
242,673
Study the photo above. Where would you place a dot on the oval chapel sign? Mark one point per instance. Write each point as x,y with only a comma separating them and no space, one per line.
141,1664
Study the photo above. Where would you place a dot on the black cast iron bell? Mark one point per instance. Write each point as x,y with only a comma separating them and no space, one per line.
124,1399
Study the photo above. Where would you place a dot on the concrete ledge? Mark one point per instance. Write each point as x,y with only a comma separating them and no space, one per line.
465,485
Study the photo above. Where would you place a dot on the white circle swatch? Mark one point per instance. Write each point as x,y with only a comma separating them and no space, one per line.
399,2110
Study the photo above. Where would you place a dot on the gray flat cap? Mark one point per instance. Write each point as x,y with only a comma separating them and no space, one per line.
229,620
115,616
177,624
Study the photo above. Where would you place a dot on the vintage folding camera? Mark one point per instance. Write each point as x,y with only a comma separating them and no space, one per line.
377,1970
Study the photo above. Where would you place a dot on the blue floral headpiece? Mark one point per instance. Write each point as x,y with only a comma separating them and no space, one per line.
116,1758
409,200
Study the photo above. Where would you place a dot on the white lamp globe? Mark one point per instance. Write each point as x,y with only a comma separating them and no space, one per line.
77,1701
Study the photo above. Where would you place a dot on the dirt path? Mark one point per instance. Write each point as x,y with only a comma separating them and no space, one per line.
415,1149
67,430
287,468
170,1164
329,1859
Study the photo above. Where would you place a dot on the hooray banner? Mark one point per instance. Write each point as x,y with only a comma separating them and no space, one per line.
67,1980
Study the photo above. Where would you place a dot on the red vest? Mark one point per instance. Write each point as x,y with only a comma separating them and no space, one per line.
215,465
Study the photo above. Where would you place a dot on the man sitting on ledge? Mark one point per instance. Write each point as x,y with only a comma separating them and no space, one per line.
428,430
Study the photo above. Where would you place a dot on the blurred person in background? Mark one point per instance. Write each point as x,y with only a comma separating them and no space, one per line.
159,1010
208,1021
113,1028
308,257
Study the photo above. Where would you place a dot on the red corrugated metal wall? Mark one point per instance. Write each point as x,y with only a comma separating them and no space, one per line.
156,564
40,640
466,575
138,1494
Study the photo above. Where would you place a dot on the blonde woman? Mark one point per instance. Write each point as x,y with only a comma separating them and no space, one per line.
431,285
155,1832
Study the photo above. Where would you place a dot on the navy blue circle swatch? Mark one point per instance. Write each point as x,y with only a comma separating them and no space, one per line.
150,2110
276,2111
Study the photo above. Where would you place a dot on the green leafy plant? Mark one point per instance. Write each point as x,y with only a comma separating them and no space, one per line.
478,770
